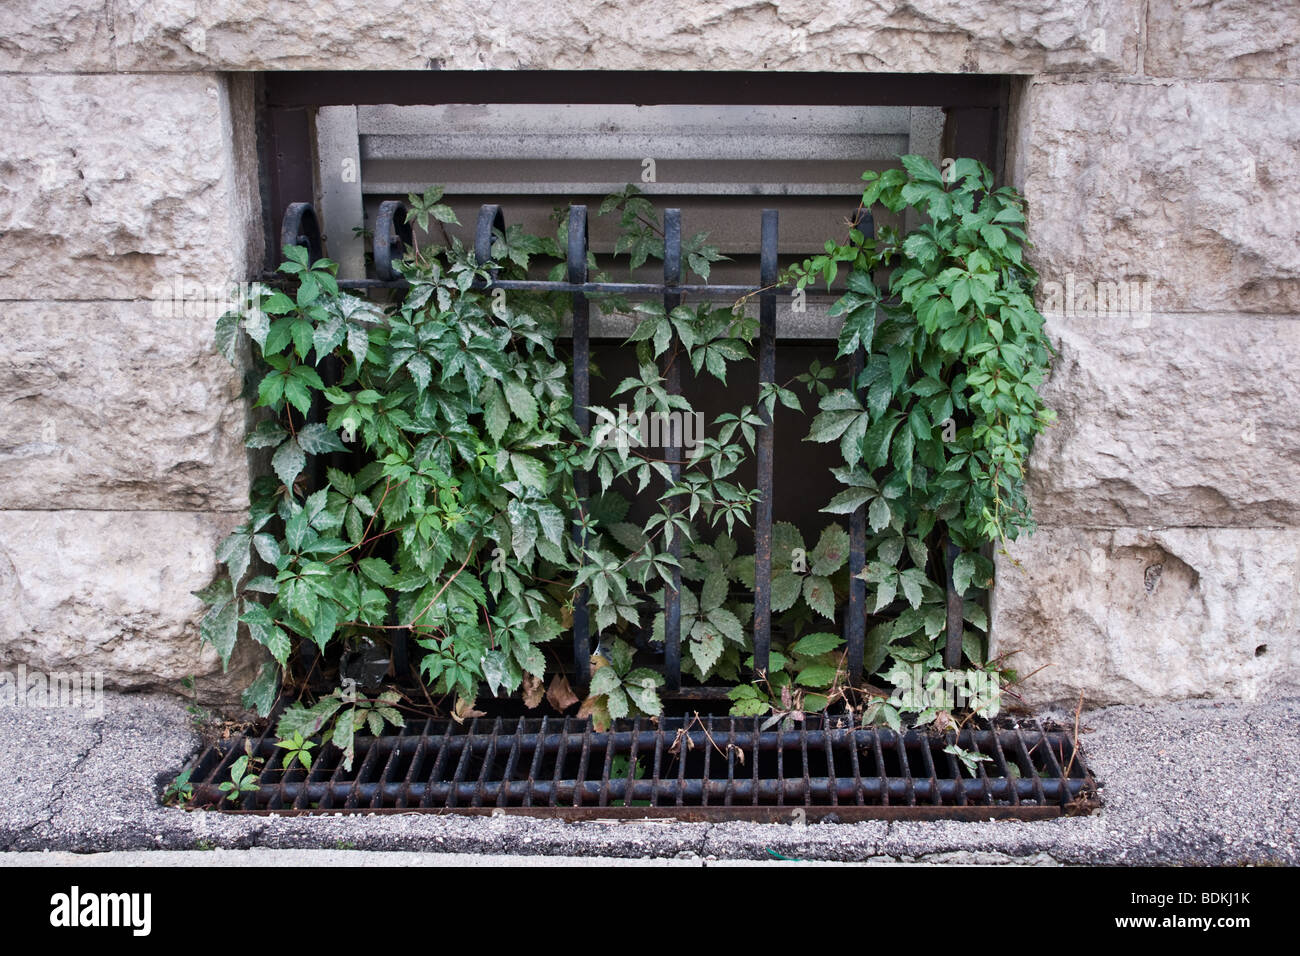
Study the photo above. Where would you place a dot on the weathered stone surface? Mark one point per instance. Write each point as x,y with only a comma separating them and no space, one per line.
1188,184
110,406
110,185
1224,38
110,592
1170,420
1143,616
56,35
944,36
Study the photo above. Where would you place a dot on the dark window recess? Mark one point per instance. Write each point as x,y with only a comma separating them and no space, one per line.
531,140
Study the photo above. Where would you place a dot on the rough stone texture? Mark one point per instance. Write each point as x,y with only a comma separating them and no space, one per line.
110,592
942,36
56,35
113,185
1187,184
1140,616
1170,420
105,405
1224,38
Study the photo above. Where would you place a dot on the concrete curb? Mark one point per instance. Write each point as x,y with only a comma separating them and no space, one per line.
1191,783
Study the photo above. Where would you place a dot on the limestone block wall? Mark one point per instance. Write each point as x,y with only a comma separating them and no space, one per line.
1156,141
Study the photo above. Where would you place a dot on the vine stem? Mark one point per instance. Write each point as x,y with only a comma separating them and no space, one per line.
470,553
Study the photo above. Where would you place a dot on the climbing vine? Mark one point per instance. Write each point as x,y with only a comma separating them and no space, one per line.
425,457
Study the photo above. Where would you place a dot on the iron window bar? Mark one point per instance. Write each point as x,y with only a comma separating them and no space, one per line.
393,234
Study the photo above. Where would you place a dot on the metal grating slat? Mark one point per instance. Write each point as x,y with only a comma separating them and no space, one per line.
565,768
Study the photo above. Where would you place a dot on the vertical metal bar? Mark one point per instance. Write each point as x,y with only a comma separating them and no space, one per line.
535,768
673,454
462,765
927,764
632,758
909,787
852,740
855,621
387,774
855,616
1004,767
682,751
1026,760
1053,765
731,761
879,755
830,760
766,437
488,759
607,768
806,788
490,217
955,609
780,763
561,753
708,757
512,760
986,785
584,758
435,772
582,417
412,771
955,769
658,765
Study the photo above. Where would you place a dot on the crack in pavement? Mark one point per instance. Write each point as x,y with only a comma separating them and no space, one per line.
57,787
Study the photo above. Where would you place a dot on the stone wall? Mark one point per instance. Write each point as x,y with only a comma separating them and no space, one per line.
1167,564
121,430
1156,141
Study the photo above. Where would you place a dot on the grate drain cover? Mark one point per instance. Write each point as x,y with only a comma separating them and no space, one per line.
687,768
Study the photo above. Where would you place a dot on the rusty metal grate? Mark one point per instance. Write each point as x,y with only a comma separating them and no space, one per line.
692,768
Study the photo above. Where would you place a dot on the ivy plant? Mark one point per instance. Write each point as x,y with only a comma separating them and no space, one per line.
424,459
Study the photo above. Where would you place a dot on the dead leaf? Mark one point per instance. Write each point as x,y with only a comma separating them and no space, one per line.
594,707
464,710
560,694
944,722
533,691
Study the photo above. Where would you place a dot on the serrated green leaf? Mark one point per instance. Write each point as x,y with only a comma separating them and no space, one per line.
262,693
820,595
814,644
521,402
288,462
816,675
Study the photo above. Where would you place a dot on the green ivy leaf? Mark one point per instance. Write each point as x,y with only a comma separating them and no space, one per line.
220,628
832,551
319,439
820,595
288,462
262,693
816,675
529,470
522,403
815,644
